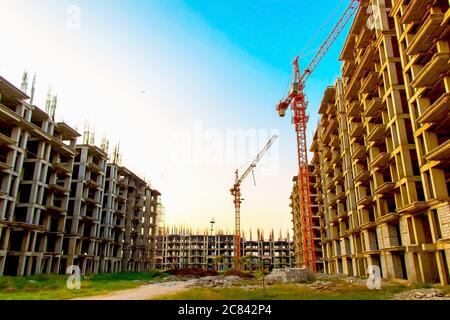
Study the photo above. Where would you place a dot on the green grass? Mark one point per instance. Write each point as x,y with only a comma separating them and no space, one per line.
285,292
53,287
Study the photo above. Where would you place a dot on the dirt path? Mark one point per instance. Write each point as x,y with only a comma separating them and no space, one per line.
142,293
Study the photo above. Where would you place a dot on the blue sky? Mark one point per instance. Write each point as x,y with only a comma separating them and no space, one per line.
142,70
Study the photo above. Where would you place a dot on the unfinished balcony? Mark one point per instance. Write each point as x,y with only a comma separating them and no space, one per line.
348,69
93,184
377,133
56,188
334,142
94,168
373,107
327,154
440,153
336,159
357,130
338,177
380,161
367,62
4,166
354,109
364,38
359,153
362,177
6,141
433,70
385,188
438,111
428,32
415,10
365,202
55,210
61,168
370,83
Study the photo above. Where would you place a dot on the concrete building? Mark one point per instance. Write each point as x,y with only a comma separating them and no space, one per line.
36,162
382,146
297,223
62,204
184,250
83,234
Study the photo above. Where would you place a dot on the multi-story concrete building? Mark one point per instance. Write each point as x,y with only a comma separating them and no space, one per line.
36,162
62,204
381,147
184,250
83,230
298,244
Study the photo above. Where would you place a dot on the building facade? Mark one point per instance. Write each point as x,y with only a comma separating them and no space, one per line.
183,250
63,204
298,243
382,146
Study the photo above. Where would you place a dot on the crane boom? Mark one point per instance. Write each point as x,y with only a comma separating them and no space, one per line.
340,25
236,193
255,162
297,100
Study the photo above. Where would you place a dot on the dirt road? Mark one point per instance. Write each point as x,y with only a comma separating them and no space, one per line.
143,293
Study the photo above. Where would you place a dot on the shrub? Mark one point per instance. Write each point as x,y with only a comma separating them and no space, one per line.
239,273
196,272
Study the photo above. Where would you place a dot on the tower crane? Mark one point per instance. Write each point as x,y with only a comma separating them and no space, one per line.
236,193
297,101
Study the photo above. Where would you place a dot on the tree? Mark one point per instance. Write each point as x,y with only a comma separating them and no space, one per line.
218,260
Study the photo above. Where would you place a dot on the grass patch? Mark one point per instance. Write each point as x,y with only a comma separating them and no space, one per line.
285,292
53,287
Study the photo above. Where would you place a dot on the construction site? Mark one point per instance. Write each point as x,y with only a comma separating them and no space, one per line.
368,199
64,203
379,175
183,249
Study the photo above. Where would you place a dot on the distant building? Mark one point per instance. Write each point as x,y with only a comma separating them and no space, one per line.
184,250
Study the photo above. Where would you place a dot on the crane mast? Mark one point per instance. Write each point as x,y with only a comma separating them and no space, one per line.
297,100
236,193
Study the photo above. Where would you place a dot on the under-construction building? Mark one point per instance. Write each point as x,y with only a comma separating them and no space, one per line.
382,150
63,204
182,250
316,210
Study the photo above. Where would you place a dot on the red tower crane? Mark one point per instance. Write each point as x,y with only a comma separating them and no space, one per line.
297,100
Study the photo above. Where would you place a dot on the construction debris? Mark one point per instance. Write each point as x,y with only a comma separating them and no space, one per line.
422,294
290,276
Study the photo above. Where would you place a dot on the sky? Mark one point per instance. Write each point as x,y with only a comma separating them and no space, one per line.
187,88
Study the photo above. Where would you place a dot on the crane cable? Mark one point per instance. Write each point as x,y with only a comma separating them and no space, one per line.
314,37
319,31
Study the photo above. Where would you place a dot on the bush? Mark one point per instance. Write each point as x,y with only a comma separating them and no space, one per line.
239,273
196,272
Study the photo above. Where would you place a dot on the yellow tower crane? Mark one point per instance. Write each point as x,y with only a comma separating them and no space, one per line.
236,193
